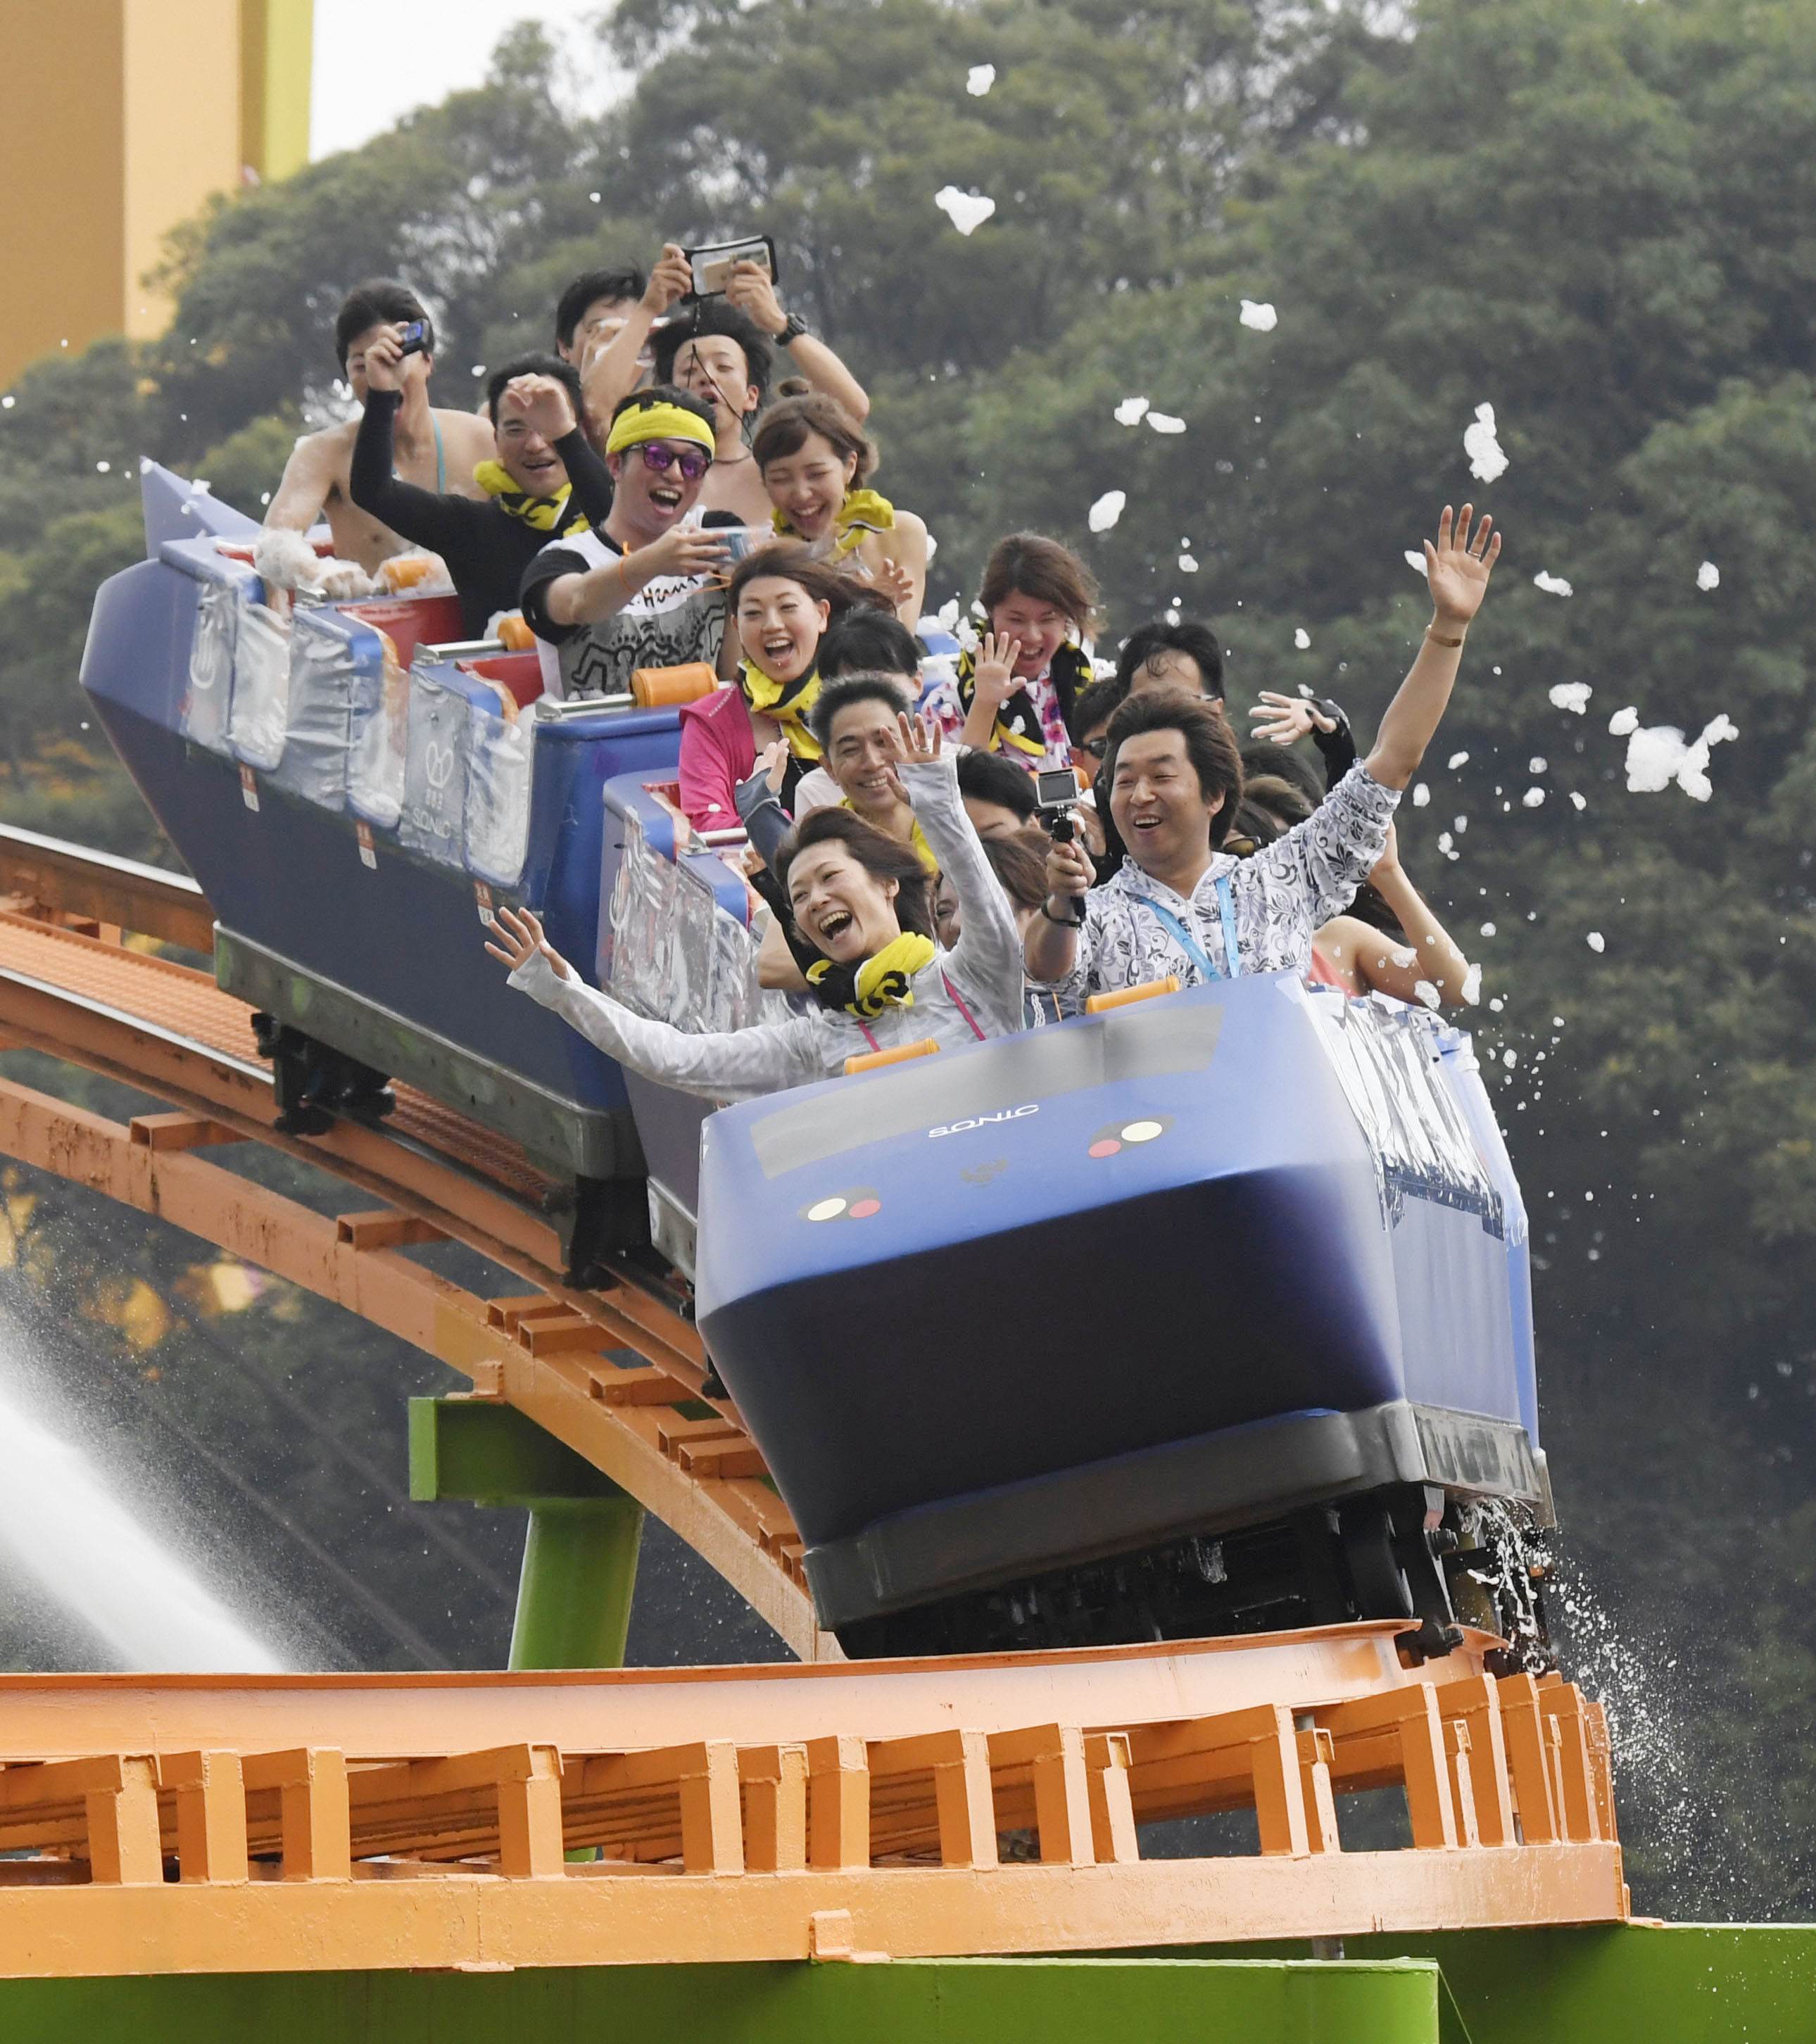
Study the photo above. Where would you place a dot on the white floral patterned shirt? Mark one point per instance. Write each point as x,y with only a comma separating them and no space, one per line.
1279,896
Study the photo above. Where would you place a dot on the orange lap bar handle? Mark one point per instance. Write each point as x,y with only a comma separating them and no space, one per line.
657,688
868,1061
1123,995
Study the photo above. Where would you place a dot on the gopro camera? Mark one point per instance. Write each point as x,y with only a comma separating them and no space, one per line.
414,340
712,266
1058,792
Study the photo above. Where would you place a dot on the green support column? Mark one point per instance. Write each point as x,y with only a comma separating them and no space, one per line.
580,1555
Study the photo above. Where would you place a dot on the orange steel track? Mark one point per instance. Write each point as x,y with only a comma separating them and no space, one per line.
986,1805
973,1806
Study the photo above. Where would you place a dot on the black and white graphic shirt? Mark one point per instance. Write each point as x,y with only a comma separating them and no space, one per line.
678,619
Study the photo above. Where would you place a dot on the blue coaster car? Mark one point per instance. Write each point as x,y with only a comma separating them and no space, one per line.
1209,1312
1206,1313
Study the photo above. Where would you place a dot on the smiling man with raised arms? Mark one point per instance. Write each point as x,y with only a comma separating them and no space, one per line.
1180,904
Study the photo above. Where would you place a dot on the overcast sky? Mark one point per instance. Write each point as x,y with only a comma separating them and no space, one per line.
373,64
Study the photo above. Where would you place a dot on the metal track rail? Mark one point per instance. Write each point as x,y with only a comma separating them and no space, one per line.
906,1809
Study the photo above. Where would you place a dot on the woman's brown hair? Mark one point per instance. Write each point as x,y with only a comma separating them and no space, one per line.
875,850
788,561
789,422
1028,564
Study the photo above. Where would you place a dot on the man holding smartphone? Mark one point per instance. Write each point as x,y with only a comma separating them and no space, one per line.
747,309
434,450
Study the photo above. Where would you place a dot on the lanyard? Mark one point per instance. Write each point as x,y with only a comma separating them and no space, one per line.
956,1002
1189,945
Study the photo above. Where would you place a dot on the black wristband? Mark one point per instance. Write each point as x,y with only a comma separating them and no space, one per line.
1065,922
796,327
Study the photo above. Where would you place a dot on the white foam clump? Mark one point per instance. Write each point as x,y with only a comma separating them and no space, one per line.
1532,798
1131,411
1415,561
1708,576
1487,462
1552,585
1622,721
1188,564
1458,759
1259,315
1163,422
932,547
1428,993
1421,795
947,615
1658,756
1106,510
1577,801
1573,696
1472,985
967,211
979,80
1596,941
1302,638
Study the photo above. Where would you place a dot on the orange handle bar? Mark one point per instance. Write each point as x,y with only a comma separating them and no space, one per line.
1123,995
868,1061
656,688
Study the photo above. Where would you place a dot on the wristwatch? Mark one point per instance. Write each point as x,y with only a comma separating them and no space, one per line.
793,331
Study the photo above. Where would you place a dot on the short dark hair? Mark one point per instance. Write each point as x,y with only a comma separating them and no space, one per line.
988,777
659,394
875,641
875,850
1018,860
1209,746
715,315
381,301
1095,705
1197,642
1262,758
535,363
835,696
787,429
625,283
1030,564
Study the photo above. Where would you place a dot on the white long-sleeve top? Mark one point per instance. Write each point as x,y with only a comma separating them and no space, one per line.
984,967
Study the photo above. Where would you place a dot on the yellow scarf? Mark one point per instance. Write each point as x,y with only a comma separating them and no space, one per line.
787,702
544,513
886,980
1069,665
863,511
917,837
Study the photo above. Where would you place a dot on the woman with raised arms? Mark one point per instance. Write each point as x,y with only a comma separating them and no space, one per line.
861,900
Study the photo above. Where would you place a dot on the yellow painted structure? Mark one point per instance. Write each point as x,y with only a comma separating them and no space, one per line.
119,119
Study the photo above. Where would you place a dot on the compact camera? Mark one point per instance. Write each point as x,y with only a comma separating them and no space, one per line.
416,339
711,268
1058,792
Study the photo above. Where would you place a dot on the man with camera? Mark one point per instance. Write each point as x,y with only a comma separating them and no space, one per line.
1180,906
718,348
435,449
647,589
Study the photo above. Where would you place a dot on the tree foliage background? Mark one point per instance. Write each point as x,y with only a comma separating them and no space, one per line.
1593,215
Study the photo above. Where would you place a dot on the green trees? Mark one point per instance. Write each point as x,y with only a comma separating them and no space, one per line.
1591,216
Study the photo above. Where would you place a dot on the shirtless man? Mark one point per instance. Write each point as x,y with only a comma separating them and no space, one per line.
718,348
436,450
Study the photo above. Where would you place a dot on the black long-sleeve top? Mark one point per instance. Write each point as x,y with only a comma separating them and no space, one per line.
485,548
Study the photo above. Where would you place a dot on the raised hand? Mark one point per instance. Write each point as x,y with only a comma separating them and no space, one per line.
994,677
520,934
750,288
684,549
917,740
1285,720
774,760
385,360
671,278
1458,567
1069,872
894,581
542,402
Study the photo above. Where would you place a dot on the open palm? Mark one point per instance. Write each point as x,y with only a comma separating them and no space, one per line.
1459,565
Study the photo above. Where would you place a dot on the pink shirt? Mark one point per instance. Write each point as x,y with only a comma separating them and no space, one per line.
717,751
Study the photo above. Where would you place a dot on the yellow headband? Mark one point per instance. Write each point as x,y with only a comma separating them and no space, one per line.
637,423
